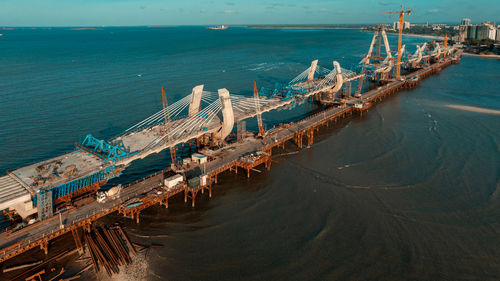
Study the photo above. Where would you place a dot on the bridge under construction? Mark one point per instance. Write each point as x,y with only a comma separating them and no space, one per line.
46,192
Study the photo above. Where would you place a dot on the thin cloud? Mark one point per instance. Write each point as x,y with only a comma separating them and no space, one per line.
433,11
229,12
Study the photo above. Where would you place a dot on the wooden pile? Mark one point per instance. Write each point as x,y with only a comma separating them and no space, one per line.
109,248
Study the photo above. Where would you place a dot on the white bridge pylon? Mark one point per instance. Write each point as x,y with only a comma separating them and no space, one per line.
204,112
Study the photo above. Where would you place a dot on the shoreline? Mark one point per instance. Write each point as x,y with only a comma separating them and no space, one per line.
302,27
423,36
430,36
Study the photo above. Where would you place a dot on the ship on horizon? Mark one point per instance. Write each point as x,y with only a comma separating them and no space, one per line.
219,27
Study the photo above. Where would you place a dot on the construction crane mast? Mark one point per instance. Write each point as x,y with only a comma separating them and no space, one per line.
164,130
257,107
400,37
445,44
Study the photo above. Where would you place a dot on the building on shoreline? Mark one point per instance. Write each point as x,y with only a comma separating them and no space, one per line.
485,30
406,25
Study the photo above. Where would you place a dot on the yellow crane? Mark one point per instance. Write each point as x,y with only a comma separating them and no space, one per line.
400,38
445,44
257,108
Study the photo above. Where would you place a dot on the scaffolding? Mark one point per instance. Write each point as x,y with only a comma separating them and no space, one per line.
45,206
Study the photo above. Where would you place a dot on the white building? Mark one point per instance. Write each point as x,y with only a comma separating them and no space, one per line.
406,25
492,33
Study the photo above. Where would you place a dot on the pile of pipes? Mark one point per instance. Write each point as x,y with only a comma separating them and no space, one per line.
109,247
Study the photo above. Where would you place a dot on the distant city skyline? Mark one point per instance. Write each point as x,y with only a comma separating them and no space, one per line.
234,12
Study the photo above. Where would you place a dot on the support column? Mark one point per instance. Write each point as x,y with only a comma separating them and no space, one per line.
227,115
78,241
193,196
312,70
310,137
194,105
45,246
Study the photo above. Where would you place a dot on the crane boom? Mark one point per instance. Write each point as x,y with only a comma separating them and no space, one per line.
257,108
445,44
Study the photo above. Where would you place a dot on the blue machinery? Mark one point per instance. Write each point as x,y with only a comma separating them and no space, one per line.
45,205
77,184
45,198
285,92
103,150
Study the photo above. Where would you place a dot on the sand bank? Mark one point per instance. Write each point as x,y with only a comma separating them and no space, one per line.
474,109
483,56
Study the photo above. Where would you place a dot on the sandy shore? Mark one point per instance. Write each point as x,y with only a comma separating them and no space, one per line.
474,109
420,35
483,56
301,27
424,36
417,35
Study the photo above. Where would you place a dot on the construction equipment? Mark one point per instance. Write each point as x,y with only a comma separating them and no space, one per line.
164,131
445,44
257,108
381,65
400,37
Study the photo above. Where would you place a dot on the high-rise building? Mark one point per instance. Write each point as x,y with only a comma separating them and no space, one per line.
462,33
465,21
492,33
471,32
498,33
406,25
482,32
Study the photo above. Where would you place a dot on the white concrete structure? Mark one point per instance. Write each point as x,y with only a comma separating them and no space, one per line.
338,76
312,70
194,105
227,115
14,196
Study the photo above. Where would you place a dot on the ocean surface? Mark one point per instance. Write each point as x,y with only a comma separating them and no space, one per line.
409,191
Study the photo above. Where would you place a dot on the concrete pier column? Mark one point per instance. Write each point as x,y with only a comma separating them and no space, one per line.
312,70
194,105
227,115
340,78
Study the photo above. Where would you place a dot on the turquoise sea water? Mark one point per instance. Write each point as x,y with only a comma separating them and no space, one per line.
410,191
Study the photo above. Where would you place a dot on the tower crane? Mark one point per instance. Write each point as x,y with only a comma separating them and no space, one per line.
445,44
257,107
400,37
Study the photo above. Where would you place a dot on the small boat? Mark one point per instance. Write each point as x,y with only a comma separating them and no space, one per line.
220,27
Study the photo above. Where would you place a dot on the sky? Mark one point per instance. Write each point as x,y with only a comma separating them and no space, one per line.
233,12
